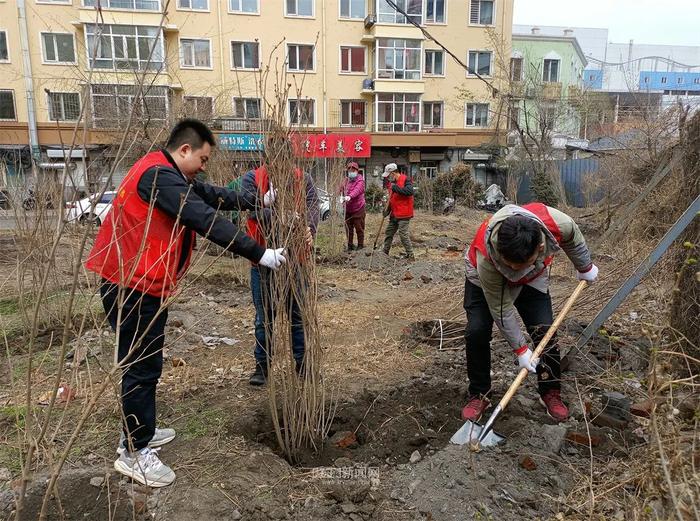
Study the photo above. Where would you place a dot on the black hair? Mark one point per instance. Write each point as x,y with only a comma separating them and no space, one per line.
518,238
191,132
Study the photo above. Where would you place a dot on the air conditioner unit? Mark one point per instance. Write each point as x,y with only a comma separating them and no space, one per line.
370,20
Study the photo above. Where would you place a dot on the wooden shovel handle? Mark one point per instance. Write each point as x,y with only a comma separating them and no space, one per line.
543,343
379,231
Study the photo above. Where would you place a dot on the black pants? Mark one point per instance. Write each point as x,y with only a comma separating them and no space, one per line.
535,309
144,364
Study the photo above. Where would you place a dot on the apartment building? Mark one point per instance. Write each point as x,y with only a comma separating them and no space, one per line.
354,66
631,79
552,66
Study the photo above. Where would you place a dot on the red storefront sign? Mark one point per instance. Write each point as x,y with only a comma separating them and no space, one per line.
332,145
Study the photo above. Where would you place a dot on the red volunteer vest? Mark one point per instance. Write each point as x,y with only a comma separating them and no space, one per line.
479,242
401,205
262,182
139,246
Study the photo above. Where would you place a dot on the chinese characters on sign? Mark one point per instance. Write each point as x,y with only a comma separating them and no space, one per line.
332,145
241,142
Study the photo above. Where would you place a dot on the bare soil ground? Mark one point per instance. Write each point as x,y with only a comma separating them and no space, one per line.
400,397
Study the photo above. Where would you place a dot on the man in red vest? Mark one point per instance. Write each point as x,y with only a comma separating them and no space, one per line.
257,187
141,251
399,210
507,271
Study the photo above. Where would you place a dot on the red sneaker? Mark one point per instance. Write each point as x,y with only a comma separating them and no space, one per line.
475,408
555,407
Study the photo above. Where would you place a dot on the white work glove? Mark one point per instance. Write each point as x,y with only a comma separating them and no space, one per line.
525,359
346,198
269,197
273,259
589,275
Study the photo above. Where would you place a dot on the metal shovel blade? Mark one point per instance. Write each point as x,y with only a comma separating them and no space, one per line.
469,433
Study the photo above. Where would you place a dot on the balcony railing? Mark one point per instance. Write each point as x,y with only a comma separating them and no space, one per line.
234,124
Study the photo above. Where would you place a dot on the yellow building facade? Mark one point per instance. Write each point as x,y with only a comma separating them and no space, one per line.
349,65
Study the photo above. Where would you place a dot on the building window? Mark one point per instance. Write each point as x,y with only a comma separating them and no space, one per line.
113,104
429,169
353,113
413,8
64,106
195,54
7,105
193,5
4,50
513,117
548,117
551,71
243,6
432,114
245,55
302,111
300,57
481,12
58,47
435,11
124,47
477,115
479,63
200,107
398,59
137,5
434,63
246,108
352,9
398,112
352,59
516,69
299,7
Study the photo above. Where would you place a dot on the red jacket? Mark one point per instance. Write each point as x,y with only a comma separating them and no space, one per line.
139,246
401,205
479,242
262,185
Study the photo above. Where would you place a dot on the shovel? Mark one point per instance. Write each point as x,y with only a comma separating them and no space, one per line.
379,232
484,436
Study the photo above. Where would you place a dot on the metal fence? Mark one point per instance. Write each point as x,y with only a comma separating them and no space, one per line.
573,174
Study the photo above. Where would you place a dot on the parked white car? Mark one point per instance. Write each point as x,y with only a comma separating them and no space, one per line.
83,212
324,205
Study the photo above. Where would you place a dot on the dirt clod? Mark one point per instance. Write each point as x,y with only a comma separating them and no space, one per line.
528,463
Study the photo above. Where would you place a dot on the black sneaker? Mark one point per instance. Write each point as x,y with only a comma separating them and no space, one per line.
259,377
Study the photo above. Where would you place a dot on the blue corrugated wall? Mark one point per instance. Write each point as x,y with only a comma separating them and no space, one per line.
572,173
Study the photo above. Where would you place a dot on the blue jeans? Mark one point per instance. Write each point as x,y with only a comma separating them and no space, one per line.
265,312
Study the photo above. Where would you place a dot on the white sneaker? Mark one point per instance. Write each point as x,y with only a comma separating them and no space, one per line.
145,467
160,438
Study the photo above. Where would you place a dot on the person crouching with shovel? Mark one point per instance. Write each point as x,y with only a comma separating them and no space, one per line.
508,265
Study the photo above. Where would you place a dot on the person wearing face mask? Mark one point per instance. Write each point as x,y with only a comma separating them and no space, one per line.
354,198
507,272
141,252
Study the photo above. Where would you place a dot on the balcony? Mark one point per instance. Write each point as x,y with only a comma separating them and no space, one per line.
551,90
400,31
399,86
146,18
233,124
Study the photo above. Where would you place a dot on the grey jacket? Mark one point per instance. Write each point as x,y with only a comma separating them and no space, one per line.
498,281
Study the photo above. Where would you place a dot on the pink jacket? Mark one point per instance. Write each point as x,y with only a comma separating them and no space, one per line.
355,189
